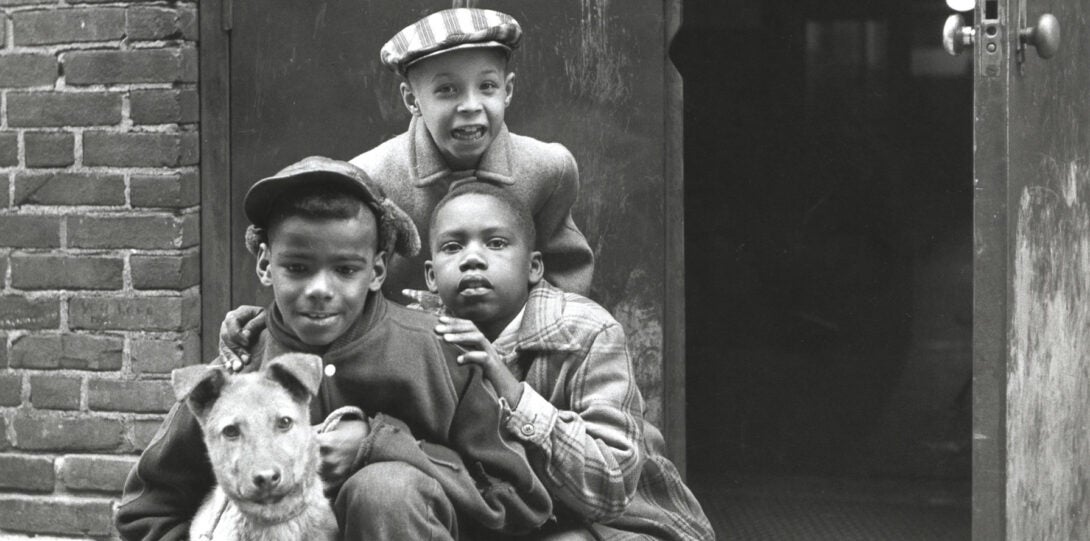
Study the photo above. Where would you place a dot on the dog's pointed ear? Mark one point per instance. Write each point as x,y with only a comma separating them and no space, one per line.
299,373
199,385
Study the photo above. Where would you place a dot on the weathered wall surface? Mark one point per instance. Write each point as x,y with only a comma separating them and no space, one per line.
99,264
1048,392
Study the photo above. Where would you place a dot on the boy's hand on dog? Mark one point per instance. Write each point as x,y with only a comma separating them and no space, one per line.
479,351
339,448
238,331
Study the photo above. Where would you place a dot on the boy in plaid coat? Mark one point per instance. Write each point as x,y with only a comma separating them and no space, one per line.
560,366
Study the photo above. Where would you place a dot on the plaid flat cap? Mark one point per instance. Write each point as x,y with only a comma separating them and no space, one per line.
450,29
397,233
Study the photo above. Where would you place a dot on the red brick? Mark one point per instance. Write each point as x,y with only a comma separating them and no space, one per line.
57,515
162,356
27,69
191,230
9,145
156,23
143,432
140,232
17,312
176,65
30,231
140,396
140,149
42,431
65,272
25,2
164,106
68,188
3,351
4,443
34,109
26,473
67,351
176,190
141,313
68,25
54,392
49,149
165,272
95,473
11,389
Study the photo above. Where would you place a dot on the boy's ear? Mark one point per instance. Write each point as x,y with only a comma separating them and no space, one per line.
200,386
409,98
379,266
299,373
429,276
509,85
537,268
263,273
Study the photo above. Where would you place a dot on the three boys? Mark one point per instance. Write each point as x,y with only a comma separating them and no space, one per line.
556,360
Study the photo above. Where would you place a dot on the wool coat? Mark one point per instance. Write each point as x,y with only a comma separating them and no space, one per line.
543,176
389,364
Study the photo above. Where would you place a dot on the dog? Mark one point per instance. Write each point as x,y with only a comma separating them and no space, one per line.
256,427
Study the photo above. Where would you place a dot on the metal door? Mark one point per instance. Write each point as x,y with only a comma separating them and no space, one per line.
1031,467
286,79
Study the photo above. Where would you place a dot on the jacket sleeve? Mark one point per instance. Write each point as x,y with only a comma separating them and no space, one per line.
168,483
569,261
588,456
491,502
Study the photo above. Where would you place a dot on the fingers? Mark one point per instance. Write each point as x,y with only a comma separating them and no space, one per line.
479,358
254,326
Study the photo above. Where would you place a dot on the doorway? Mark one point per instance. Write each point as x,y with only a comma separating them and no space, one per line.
828,167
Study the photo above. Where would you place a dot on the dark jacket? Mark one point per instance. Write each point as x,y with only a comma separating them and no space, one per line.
390,362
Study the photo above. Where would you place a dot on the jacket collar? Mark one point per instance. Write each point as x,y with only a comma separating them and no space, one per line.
543,327
374,310
427,165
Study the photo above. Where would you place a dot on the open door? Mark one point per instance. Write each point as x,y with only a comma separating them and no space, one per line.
1031,330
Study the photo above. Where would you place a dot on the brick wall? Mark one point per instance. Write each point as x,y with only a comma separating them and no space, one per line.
99,262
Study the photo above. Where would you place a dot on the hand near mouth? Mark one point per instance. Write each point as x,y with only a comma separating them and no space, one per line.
479,351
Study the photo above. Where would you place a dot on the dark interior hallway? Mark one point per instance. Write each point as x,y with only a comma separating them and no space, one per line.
828,167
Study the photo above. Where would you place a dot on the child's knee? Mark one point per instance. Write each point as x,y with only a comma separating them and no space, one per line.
390,487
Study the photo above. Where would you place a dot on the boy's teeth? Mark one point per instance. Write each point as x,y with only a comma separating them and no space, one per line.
468,133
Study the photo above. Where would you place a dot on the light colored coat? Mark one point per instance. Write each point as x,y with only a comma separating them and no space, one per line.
543,176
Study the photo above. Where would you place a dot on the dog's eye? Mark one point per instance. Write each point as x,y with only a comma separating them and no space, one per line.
231,432
284,423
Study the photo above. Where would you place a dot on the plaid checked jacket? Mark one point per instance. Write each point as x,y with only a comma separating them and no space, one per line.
581,420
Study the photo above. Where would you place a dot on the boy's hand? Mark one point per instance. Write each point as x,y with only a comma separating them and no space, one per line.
339,448
424,300
479,351
238,331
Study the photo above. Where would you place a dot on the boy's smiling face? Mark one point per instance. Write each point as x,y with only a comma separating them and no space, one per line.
321,271
461,96
483,263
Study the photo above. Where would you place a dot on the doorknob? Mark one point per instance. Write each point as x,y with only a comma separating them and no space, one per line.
1044,36
956,36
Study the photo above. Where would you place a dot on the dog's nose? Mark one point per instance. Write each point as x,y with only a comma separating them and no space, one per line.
266,479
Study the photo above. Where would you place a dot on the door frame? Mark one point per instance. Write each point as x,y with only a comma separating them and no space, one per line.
216,254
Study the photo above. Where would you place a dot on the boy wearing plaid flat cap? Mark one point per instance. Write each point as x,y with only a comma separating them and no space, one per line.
457,85
321,233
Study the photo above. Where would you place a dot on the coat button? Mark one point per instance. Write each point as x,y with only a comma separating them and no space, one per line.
330,370
527,430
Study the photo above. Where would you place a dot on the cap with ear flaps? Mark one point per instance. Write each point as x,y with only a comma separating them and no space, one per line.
397,233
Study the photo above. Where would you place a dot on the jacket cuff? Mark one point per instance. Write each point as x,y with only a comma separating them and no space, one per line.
533,419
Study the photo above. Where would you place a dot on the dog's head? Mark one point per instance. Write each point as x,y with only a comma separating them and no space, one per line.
257,429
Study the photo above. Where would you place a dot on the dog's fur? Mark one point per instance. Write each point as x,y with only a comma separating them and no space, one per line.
263,451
